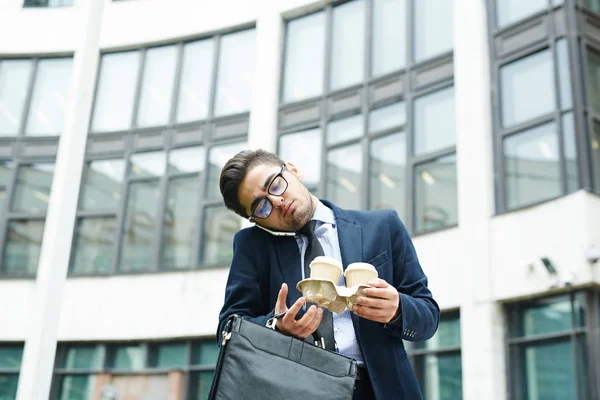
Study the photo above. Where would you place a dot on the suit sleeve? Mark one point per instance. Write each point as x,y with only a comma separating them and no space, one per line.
419,312
243,294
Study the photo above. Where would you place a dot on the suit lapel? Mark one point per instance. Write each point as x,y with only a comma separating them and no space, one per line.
350,238
288,256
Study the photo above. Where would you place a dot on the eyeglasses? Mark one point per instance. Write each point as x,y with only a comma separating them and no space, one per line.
263,207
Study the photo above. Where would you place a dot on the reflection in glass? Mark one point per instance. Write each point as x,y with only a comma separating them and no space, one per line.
564,74
593,81
205,353
179,228
344,177
303,149
171,355
217,157
220,225
348,44
82,358
22,251
433,28
434,121
570,149
8,386
527,88
93,245
389,36
593,5
116,91
32,192
344,129
595,145
189,159
435,194
102,187
387,173
144,165
10,356
201,382
5,176
157,86
387,117
50,97
196,79
548,317
140,225
509,11
549,372
128,358
236,72
14,81
447,335
532,166
440,376
77,387
304,58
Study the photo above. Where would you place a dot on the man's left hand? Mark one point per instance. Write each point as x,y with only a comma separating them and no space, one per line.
379,303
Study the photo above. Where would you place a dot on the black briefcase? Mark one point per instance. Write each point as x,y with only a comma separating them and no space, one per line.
259,363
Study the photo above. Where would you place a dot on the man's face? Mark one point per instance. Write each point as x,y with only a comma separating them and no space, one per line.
292,210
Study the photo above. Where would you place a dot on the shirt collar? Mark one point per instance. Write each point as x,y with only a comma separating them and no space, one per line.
323,214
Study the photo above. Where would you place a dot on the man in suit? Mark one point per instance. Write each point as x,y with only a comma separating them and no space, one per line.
291,227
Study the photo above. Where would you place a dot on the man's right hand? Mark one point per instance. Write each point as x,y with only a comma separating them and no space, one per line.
303,327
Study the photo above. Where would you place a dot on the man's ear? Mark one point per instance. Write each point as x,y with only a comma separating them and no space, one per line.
292,168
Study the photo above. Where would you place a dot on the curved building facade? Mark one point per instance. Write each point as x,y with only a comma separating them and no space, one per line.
478,121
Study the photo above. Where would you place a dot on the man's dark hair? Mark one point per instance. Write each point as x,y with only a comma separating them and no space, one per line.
234,172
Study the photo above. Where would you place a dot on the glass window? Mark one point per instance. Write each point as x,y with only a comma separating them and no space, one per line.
205,353
116,91
10,356
303,149
595,137
77,387
236,73
196,81
102,186
10,364
22,251
570,148
564,74
47,3
93,245
14,81
509,11
388,170
82,358
593,81
348,44
435,194
447,335
140,225
344,176
341,130
8,386
181,220
201,382
593,5
146,165
171,355
217,157
32,192
190,159
527,88
550,316
128,358
50,97
387,117
5,176
434,121
304,58
389,36
433,28
220,225
157,86
532,166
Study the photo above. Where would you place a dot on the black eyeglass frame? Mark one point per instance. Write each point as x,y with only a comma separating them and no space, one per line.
259,200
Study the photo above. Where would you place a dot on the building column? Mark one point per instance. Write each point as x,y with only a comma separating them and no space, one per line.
38,357
262,132
481,317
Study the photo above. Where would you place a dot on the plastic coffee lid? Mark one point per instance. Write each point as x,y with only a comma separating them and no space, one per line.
360,265
327,260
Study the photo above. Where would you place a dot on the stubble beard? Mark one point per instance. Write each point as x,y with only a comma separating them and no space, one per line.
301,216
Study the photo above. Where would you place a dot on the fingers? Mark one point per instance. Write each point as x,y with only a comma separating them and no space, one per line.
290,316
379,283
387,292
305,325
281,297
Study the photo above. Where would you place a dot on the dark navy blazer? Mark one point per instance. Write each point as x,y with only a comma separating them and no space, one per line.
262,262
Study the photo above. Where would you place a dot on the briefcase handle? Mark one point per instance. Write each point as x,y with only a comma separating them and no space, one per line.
319,341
